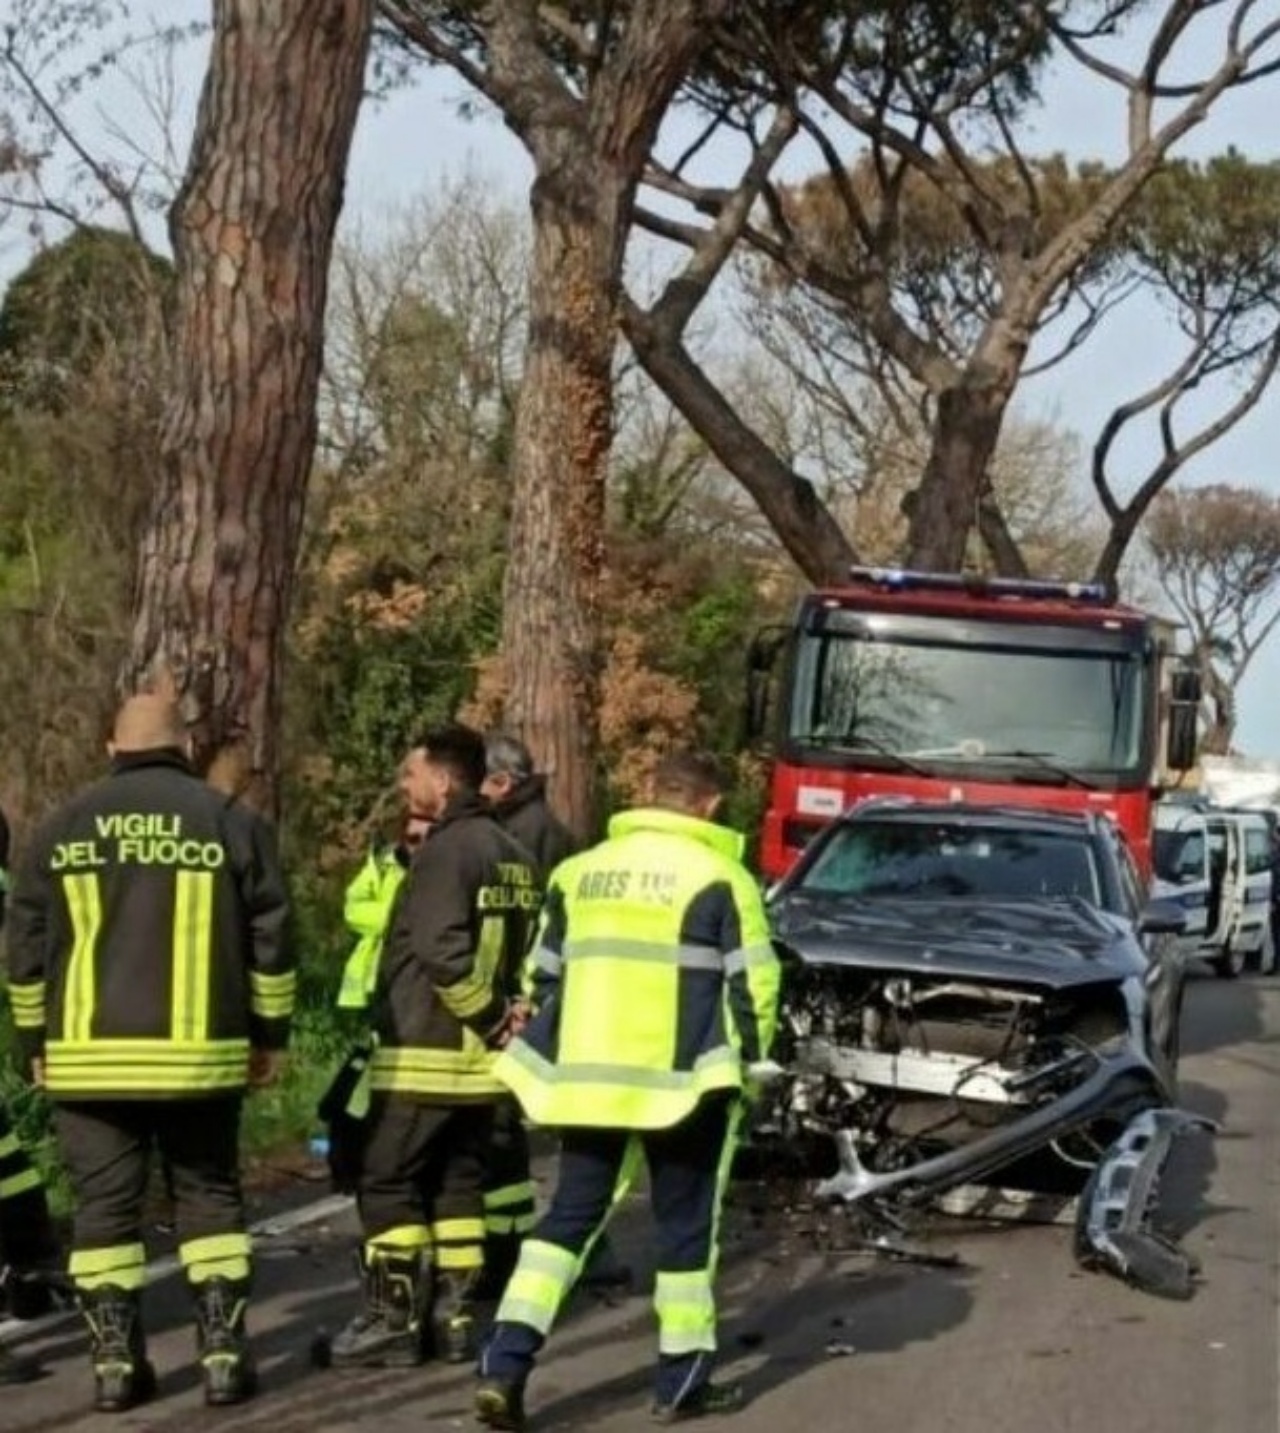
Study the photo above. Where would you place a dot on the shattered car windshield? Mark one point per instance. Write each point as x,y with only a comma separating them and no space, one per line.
869,858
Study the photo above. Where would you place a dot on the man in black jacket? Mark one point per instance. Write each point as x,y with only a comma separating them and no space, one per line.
519,797
152,983
446,997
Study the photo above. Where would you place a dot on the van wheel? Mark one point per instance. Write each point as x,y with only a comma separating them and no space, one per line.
1230,963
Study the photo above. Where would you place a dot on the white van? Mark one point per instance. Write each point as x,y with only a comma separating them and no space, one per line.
1216,863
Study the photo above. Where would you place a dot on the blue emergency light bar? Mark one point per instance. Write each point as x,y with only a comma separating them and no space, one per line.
904,579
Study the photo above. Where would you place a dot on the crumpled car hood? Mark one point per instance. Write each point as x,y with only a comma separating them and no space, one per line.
1055,944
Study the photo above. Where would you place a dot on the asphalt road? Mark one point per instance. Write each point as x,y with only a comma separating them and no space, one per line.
1015,1337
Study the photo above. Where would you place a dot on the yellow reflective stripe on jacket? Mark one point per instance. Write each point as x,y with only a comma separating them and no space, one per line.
755,957
192,944
542,958
612,1096
17,1174
466,998
27,1002
23,1182
687,957
84,906
271,997
424,1071
136,1067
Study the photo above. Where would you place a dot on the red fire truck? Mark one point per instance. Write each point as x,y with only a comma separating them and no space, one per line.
951,687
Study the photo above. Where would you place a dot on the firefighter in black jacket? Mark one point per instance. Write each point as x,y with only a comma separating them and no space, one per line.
152,982
28,1247
446,997
518,794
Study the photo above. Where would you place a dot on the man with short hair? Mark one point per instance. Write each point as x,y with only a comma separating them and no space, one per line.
654,990
152,983
518,793
445,998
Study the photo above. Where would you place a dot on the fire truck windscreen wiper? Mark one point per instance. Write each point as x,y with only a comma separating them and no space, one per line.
1040,759
856,742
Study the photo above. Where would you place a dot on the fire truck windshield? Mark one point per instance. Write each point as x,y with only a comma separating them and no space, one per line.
970,694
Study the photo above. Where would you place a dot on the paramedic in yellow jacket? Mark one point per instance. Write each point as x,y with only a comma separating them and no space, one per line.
367,907
654,990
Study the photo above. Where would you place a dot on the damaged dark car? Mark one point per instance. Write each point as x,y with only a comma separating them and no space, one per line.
980,996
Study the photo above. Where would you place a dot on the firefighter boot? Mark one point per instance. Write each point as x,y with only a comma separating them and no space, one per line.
122,1374
226,1362
453,1322
389,1332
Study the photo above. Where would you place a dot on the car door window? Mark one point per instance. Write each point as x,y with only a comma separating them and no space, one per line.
1257,852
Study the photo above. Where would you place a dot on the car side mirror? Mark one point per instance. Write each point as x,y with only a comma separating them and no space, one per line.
1160,917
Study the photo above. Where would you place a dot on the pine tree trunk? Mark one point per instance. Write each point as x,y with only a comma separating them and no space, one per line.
563,434
252,230
946,507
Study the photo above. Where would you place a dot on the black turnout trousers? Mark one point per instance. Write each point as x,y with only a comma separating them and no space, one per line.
107,1147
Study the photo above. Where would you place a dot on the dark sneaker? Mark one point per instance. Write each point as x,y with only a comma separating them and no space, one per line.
500,1404
708,1399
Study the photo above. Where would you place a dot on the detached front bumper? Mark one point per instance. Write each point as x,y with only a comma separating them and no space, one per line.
1114,1230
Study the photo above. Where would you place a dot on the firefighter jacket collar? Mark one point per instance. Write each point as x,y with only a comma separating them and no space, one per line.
659,821
460,807
155,756
525,791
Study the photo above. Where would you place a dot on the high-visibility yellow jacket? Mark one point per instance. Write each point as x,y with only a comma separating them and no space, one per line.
366,911
653,978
